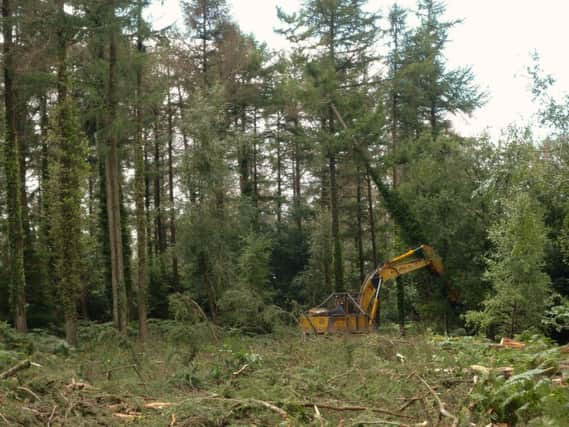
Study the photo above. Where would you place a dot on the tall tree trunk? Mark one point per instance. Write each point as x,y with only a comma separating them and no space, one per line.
147,201
44,240
204,44
112,174
243,155
159,228
334,209
371,222
182,118
68,261
296,184
139,188
401,304
513,321
397,173
175,273
254,161
12,168
21,137
359,225
279,177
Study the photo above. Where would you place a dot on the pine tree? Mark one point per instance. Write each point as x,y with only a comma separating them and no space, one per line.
339,34
139,170
515,269
68,153
113,178
13,175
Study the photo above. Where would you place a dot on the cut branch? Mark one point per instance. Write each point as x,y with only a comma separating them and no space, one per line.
353,408
442,411
24,364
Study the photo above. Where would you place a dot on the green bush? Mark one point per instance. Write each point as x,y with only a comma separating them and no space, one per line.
245,310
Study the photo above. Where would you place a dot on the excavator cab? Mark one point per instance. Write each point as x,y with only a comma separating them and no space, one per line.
349,312
340,312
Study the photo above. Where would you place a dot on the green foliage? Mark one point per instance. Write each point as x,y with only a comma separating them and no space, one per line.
556,317
288,259
529,396
183,308
442,191
254,263
515,269
244,309
68,149
13,343
316,279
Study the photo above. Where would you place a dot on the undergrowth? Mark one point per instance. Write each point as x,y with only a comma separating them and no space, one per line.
197,375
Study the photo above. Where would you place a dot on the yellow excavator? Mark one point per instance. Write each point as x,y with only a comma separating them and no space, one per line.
349,312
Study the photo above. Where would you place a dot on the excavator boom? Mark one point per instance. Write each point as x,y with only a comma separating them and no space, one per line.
361,313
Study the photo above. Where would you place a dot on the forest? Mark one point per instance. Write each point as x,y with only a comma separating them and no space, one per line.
172,200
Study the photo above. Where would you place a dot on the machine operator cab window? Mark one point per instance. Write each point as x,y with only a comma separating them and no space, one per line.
339,308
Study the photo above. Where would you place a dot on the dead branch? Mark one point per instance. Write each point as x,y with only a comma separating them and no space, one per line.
202,314
258,402
73,385
354,408
334,378
411,401
132,415
158,405
509,343
27,390
24,364
4,419
318,416
284,415
240,370
118,368
442,411
380,423
51,416
329,406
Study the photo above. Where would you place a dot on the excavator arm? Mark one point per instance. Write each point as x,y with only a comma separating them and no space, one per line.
357,313
415,259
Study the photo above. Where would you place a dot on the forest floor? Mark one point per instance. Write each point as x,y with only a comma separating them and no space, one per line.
279,379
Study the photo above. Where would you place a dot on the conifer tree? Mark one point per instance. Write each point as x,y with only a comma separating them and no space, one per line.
13,174
515,269
139,171
339,34
113,176
68,153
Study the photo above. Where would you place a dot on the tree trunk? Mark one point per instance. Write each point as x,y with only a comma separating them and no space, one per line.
139,189
243,159
513,321
182,119
12,168
204,44
360,229
112,171
159,228
334,209
175,273
68,259
279,178
147,200
371,222
44,240
254,160
296,184
401,305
